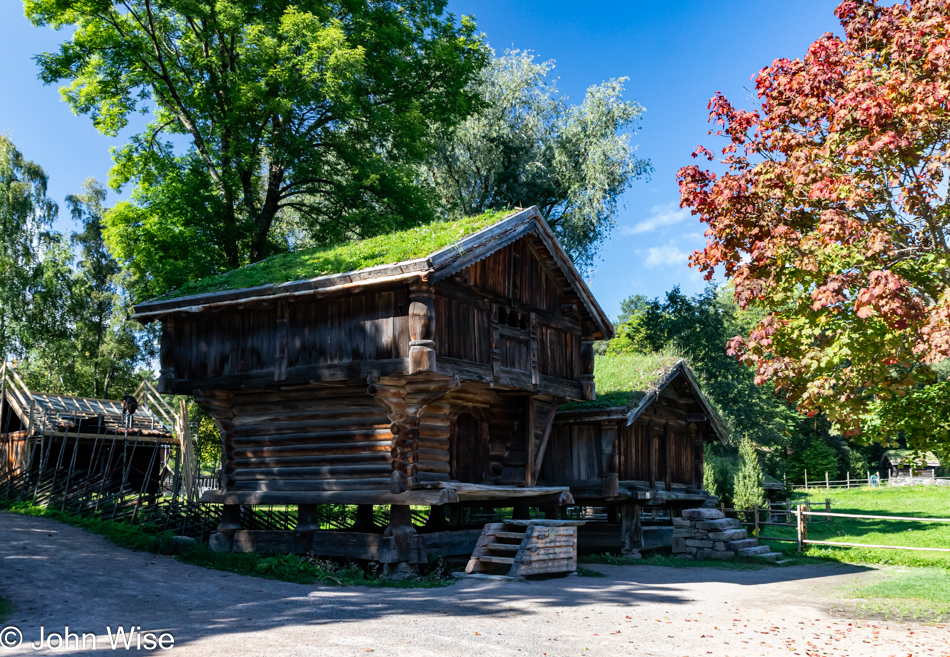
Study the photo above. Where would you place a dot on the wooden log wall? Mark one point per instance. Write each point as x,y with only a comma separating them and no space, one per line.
308,438
392,434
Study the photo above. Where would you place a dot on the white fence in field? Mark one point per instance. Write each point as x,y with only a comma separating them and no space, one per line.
872,480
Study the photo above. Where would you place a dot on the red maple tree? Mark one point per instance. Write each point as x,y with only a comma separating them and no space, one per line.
831,211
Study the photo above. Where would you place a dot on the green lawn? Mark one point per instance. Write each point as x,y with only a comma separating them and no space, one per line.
918,585
910,501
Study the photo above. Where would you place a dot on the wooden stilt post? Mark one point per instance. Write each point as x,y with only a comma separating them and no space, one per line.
756,512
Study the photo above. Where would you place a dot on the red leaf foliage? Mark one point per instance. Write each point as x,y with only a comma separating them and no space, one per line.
831,211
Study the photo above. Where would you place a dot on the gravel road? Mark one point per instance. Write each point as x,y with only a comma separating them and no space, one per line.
58,576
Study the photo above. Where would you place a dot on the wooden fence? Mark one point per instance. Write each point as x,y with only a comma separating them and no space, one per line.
856,482
801,515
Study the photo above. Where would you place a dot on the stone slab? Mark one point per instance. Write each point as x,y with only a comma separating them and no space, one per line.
718,525
702,514
728,535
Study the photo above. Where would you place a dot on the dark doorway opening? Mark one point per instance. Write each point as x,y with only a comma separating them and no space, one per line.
469,451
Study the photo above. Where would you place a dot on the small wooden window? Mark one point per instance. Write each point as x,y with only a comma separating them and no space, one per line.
469,452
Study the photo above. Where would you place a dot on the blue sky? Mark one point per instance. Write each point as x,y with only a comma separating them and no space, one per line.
676,54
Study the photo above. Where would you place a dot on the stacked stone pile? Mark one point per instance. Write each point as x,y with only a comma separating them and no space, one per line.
708,534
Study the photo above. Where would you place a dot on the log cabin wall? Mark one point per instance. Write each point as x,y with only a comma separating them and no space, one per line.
304,439
474,436
281,341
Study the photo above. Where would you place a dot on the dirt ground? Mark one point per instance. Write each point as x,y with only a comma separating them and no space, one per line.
58,576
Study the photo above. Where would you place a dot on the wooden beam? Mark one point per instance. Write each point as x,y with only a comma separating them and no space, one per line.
434,497
545,437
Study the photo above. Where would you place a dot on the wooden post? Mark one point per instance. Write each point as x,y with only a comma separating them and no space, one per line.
402,532
587,361
827,509
668,449
609,458
848,479
230,524
788,510
631,530
806,479
827,483
421,329
756,512
798,525
651,441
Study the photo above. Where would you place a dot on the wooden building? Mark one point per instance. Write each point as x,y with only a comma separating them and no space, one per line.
638,447
428,381
50,442
900,463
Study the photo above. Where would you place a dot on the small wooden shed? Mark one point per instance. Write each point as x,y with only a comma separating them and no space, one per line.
908,463
422,368
640,445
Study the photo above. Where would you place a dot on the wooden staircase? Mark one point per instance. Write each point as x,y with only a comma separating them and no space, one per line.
520,548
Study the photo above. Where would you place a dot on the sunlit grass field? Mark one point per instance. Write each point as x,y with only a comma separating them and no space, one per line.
919,583
910,501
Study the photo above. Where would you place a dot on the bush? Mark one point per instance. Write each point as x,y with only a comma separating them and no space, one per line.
719,474
749,487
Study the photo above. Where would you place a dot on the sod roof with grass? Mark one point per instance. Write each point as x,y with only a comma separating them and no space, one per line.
624,380
398,246
898,457
629,383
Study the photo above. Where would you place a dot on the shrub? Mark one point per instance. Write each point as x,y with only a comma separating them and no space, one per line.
749,482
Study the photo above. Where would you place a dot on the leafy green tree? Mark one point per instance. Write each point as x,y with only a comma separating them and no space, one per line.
316,106
107,340
857,464
700,327
817,459
528,146
25,214
749,487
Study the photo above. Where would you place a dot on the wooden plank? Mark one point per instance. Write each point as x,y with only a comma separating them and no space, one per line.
372,497
545,437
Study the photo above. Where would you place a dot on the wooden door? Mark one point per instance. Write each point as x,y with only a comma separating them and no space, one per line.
469,451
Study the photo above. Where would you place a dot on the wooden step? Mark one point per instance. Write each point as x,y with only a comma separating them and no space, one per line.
505,560
504,546
516,535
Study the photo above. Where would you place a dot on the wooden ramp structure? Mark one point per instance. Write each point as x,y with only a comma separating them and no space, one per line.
522,548
79,453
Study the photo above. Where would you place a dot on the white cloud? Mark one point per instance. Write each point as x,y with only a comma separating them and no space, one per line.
666,214
660,256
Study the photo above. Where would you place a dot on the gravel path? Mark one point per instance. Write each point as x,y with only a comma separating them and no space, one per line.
58,575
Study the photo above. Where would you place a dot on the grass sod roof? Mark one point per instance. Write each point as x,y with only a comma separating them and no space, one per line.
624,380
398,246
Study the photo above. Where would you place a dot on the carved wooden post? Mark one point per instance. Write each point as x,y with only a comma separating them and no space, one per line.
223,540
421,329
533,348
404,542
167,355
609,457
587,362
668,449
283,326
307,523
495,342
631,530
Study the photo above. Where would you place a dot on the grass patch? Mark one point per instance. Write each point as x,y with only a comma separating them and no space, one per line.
6,608
587,572
308,569
671,562
350,256
920,593
626,379
909,501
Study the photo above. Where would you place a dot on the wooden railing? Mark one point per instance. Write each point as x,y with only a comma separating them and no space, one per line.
801,515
